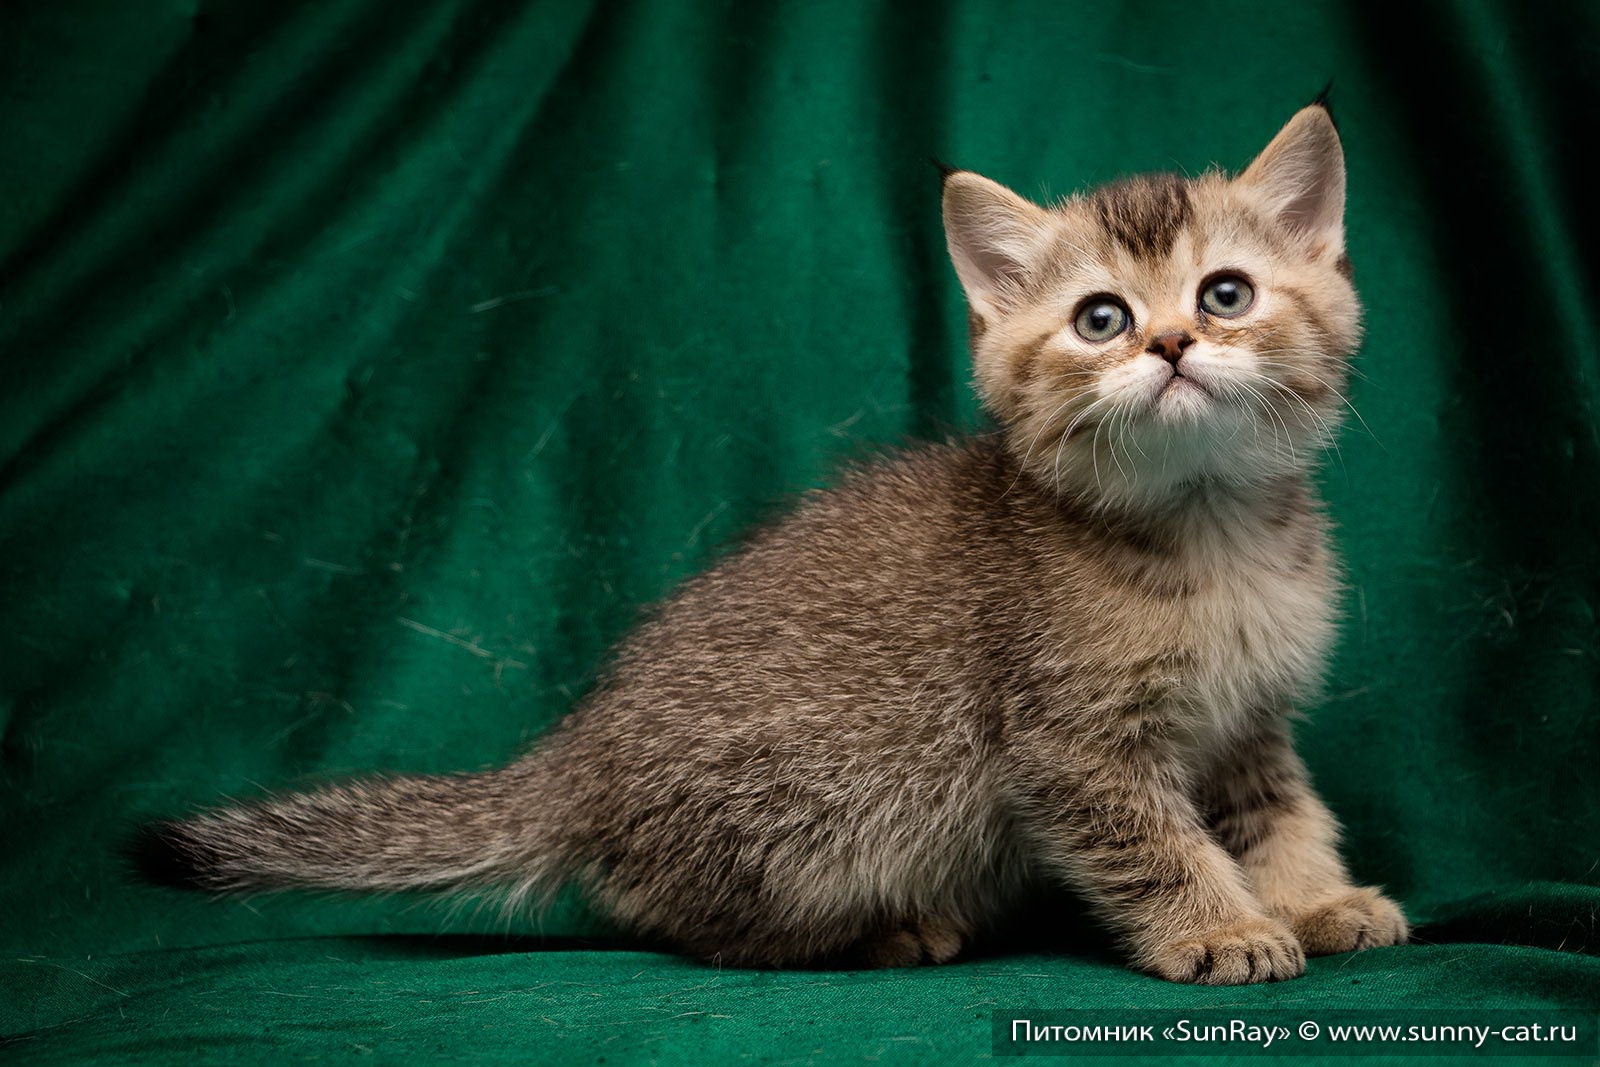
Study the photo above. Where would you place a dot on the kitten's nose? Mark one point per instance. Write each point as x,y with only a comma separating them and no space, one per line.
1170,345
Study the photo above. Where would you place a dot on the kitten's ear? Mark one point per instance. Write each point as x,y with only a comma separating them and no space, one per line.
1302,175
993,234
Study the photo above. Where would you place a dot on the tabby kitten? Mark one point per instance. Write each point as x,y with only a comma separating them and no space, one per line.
1062,653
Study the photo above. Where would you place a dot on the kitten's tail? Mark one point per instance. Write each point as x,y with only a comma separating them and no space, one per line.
412,832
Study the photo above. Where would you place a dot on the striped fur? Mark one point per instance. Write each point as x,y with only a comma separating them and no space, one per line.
1059,654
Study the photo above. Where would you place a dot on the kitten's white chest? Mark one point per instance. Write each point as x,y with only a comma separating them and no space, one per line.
1255,636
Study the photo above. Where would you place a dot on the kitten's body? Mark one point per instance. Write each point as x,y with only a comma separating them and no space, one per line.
879,779
966,671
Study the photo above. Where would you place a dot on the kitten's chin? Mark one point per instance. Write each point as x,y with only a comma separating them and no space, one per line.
1182,398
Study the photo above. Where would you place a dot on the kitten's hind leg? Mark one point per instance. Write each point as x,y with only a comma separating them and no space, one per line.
912,943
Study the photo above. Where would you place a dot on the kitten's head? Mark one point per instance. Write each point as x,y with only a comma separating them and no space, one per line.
1164,332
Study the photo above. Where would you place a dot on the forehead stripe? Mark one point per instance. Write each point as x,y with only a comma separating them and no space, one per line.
1144,214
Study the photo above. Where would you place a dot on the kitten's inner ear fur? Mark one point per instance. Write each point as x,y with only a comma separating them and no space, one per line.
1301,175
993,235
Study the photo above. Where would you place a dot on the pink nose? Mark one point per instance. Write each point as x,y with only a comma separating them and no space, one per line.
1170,345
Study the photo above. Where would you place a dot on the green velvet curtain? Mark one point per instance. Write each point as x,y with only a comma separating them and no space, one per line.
365,366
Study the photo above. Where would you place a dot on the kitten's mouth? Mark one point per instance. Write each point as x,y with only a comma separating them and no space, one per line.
1181,385
1182,398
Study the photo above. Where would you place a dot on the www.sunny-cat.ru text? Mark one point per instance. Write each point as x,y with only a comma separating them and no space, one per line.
1067,1033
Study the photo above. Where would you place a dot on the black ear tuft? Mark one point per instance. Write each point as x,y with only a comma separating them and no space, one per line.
1324,100
160,854
945,169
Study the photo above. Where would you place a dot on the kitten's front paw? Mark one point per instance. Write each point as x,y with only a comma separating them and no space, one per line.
1355,919
1257,950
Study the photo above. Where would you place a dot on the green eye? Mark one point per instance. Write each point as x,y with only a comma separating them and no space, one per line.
1226,295
1101,318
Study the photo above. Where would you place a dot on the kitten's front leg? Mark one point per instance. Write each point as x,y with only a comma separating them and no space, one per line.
1120,826
1264,811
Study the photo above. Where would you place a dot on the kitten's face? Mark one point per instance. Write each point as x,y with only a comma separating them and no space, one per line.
1163,332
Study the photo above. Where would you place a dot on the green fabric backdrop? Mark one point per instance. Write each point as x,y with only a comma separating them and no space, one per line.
364,366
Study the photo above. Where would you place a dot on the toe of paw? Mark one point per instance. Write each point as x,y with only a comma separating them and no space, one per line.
1239,955
1361,919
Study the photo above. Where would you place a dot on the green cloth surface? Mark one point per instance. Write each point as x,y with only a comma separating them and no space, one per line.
364,367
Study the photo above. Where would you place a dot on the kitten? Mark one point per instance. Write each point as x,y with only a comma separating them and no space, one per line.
1061,653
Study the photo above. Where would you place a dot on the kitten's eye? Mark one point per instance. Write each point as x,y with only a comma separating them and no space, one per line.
1227,296
1101,318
